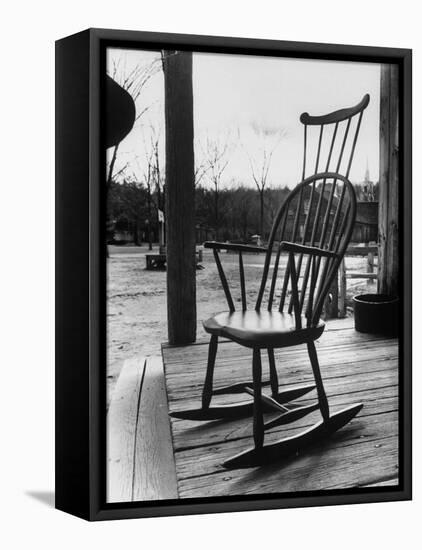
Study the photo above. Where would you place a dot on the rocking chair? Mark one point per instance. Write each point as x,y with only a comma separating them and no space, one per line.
313,228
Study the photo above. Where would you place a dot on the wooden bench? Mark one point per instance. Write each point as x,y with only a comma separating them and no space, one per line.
158,261
140,460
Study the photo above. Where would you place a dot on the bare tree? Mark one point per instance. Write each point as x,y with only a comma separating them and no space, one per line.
244,204
147,180
151,175
111,175
158,176
201,162
267,139
159,181
133,81
201,169
216,155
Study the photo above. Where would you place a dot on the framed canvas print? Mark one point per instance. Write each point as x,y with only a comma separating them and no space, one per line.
233,274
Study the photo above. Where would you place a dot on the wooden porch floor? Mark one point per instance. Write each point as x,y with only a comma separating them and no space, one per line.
355,368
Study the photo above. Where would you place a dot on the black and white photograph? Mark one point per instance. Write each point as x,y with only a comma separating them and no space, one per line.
210,275
253,275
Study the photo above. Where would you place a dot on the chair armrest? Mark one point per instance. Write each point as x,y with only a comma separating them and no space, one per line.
303,249
235,247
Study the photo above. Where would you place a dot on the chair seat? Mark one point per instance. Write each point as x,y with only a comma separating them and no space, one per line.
262,328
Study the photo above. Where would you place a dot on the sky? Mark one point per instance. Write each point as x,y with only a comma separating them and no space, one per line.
237,96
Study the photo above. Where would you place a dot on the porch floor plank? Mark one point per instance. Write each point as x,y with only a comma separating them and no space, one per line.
140,460
155,472
355,367
121,431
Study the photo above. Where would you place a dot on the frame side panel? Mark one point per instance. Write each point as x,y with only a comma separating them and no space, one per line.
406,271
72,274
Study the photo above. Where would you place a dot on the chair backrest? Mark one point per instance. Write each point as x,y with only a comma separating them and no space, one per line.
320,212
310,213
329,141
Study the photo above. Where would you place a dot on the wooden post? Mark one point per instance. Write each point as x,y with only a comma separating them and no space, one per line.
370,265
343,289
180,198
388,256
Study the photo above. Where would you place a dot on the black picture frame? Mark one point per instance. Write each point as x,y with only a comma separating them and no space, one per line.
80,272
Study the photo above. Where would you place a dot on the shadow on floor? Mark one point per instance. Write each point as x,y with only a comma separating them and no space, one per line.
45,497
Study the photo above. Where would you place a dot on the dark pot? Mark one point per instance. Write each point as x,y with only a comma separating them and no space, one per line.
376,314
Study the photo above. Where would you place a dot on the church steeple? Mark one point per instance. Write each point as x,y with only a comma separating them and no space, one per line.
368,185
367,177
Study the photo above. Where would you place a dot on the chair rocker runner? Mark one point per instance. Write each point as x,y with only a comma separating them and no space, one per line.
312,230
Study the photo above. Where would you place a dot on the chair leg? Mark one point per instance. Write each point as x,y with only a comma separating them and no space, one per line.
322,397
258,419
207,390
273,373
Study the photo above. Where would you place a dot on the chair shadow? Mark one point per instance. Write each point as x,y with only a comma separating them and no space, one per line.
45,497
258,473
209,425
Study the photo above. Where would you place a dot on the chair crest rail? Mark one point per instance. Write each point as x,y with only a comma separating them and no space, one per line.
335,116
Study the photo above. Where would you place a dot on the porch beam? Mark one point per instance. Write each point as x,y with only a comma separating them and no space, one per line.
180,197
388,259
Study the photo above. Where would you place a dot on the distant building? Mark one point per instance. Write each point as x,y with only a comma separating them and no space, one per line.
367,187
366,225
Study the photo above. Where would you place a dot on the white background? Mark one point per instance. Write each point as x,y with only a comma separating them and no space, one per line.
27,268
